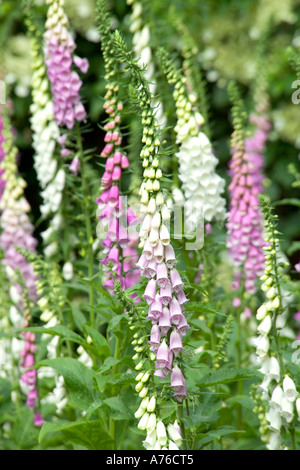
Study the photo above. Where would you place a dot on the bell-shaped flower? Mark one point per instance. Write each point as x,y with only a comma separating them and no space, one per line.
289,388
287,409
162,278
175,342
161,433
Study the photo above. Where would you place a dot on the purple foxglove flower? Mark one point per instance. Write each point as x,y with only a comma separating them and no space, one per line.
109,165
123,237
113,198
177,379
82,64
176,281
175,342
150,292
32,398
155,337
148,250
124,162
182,326
113,229
162,355
142,262
170,256
38,419
106,179
113,256
181,392
116,174
156,308
166,294
151,269
181,297
107,150
117,158
158,252
164,322
159,372
162,278
175,311
74,166
103,199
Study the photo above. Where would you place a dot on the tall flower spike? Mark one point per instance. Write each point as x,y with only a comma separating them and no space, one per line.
59,59
245,241
45,133
201,185
116,221
154,233
277,387
17,230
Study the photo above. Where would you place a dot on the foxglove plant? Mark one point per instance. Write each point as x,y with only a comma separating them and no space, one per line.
201,185
59,59
277,387
164,292
46,134
119,246
244,226
17,231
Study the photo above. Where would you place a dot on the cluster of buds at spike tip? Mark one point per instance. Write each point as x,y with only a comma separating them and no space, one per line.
277,386
201,185
116,219
59,59
17,230
142,51
244,226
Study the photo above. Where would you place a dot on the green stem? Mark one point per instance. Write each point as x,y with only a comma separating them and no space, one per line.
112,423
293,443
87,223
179,413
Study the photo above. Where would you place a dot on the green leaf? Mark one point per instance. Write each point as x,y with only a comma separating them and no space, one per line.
79,380
118,408
61,331
293,248
288,201
216,434
99,341
225,375
88,434
99,288
23,432
203,307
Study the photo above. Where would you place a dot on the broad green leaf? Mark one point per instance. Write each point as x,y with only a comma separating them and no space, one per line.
24,434
288,202
89,434
99,342
79,380
225,375
118,408
203,307
61,331
216,434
